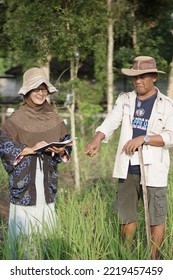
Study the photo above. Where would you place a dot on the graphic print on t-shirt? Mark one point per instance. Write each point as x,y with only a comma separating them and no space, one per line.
140,123
143,109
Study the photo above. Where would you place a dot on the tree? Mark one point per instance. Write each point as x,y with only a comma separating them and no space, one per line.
110,79
4,43
170,85
145,32
116,12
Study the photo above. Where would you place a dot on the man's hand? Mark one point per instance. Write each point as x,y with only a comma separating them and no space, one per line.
93,147
131,145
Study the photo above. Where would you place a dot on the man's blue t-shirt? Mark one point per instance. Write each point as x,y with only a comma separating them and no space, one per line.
143,109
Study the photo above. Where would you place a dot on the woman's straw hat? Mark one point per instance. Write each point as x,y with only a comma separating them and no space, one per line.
142,65
33,78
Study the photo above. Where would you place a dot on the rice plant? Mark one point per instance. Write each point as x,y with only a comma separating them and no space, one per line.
87,227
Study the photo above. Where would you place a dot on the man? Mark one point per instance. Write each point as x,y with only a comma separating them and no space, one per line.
146,119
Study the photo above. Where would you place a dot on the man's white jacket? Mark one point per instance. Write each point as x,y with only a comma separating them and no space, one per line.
160,122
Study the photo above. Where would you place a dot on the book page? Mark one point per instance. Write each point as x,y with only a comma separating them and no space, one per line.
59,144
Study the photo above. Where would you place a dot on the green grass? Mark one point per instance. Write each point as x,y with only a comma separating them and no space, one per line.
3,178
87,227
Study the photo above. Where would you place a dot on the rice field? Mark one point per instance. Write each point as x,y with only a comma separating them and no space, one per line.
87,227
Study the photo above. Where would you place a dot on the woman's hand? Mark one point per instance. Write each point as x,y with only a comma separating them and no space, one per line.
31,150
55,150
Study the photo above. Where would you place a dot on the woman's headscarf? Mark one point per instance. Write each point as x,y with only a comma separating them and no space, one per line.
32,123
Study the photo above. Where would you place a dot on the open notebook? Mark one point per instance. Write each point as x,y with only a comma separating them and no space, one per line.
68,142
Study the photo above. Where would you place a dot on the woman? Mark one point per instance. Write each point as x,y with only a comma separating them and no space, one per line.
32,176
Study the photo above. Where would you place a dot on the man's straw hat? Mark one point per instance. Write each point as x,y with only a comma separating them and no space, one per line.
33,78
142,65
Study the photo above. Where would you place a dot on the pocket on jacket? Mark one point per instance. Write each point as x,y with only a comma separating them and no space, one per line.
126,109
157,127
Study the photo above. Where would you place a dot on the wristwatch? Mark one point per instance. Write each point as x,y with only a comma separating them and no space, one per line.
146,139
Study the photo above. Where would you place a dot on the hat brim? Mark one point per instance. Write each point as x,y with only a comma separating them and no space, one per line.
24,90
132,72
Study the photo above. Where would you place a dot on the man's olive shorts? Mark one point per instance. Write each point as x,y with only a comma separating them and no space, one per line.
128,194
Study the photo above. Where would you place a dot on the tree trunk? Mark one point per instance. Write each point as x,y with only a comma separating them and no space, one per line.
133,7
73,75
170,82
134,33
46,68
110,82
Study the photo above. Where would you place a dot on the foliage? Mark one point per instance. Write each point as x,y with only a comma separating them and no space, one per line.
31,31
3,177
3,36
100,62
70,25
88,96
87,227
152,31
34,30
